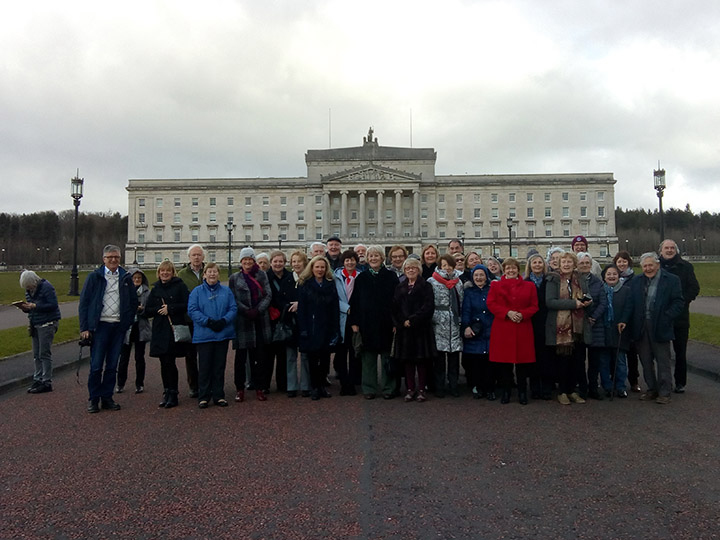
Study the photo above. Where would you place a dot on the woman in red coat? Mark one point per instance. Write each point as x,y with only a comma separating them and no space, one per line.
513,302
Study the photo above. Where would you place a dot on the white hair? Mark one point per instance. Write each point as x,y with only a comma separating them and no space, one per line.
312,246
195,246
375,248
649,255
29,279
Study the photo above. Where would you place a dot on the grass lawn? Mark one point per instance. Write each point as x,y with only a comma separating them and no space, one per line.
708,275
705,328
10,290
16,340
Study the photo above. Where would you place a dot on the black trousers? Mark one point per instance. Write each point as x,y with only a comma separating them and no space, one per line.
479,372
276,361
680,348
169,372
504,373
212,359
345,364
124,362
571,368
319,363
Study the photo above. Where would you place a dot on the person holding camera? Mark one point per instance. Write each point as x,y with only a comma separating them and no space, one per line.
566,297
108,303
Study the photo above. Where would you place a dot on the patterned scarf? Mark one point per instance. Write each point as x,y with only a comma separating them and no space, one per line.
256,290
569,321
349,281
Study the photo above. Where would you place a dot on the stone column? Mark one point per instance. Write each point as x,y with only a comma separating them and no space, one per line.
398,213
362,214
380,232
416,213
326,215
343,214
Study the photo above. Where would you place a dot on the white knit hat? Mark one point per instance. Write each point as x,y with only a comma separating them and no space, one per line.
247,252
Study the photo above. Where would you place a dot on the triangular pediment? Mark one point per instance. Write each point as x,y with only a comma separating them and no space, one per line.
370,174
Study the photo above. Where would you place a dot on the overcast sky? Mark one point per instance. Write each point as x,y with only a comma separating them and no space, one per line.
187,89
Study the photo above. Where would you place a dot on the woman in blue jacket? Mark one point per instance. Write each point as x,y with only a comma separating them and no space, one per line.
476,322
212,308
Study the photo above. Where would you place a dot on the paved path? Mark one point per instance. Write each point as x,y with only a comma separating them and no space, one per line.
12,317
349,468
709,305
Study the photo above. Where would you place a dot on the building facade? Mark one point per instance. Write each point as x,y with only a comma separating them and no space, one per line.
369,194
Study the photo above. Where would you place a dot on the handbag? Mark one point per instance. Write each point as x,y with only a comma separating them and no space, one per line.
181,332
282,331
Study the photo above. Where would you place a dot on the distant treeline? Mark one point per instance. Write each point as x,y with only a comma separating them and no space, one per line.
46,238
695,234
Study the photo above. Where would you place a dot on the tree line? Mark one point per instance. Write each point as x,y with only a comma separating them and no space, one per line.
46,238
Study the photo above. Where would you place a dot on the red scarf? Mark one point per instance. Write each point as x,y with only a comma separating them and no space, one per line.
349,277
449,283
349,282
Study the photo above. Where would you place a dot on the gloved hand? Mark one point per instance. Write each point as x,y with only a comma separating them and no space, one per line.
216,325
252,313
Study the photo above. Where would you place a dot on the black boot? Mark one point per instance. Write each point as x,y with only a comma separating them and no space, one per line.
172,400
505,398
164,398
522,397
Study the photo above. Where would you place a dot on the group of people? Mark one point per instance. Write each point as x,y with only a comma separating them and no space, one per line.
564,327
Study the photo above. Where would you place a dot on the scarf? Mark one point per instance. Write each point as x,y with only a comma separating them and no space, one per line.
569,321
449,283
256,290
610,311
537,280
349,282
627,274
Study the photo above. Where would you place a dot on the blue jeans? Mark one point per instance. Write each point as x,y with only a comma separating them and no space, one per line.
107,341
42,339
606,367
292,371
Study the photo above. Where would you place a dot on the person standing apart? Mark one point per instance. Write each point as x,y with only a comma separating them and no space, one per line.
212,308
656,302
192,276
671,261
108,303
43,312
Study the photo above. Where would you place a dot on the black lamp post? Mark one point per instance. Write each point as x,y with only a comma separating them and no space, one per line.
76,192
627,245
229,226
659,177
509,226
135,263
2,260
683,250
59,256
494,253
279,241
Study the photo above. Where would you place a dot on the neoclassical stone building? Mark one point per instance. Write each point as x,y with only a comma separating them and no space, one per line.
369,194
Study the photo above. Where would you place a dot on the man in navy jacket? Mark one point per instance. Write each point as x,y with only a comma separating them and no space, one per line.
655,302
108,303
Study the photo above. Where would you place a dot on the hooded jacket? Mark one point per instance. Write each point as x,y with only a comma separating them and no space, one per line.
476,314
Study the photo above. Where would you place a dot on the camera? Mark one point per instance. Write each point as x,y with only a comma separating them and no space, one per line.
85,342
586,298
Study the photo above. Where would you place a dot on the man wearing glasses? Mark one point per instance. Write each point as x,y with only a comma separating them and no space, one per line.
108,303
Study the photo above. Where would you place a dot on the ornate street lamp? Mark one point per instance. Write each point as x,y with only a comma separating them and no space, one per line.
59,256
279,241
510,226
659,177
229,226
76,192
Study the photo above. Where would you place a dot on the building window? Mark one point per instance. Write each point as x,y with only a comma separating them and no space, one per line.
176,257
478,232
266,233
158,202
158,257
248,216
601,196
496,231
283,201
195,218
194,235
301,233
441,232
602,229
388,214
353,215
213,217
318,215
195,201
213,256
283,215
141,203
266,216
494,197
566,231
583,195
301,200
548,230
531,230
511,197
406,213
159,217
371,214
565,196
141,217
547,197
459,213
423,213
583,211
601,211
176,217
140,257
230,217
566,211
476,198
494,213
548,211
176,234
511,212
141,237
318,234
531,212
424,198
336,215
441,213
301,215
248,201
530,197
318,199
459,198
584,229
231,201
441,198
213,201
177,201
476,213
266,201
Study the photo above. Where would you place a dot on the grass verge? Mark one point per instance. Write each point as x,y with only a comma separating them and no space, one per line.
16,340
705,328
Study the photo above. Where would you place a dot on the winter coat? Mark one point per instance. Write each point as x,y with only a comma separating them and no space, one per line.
371,308
144,330
596,310
512,342
251,319
416,343
189,278
318,315
446,322
174,294
540,317
343,299
476,314
554,304
668,306
212,302
46,304
91,300
688,282
612,336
